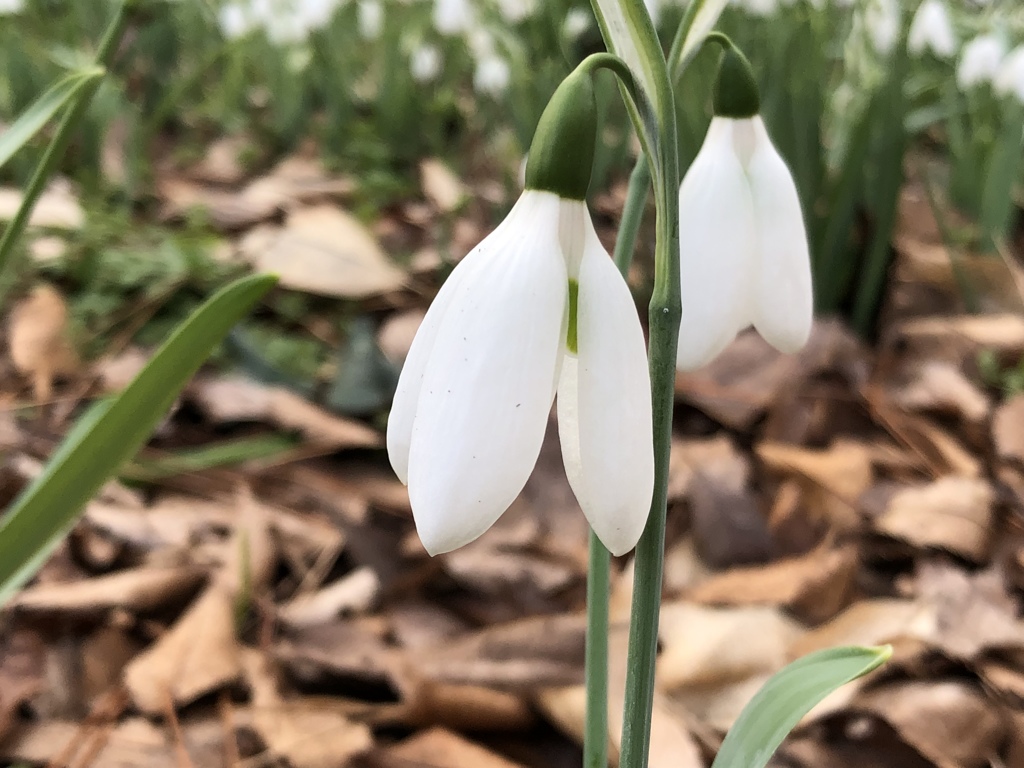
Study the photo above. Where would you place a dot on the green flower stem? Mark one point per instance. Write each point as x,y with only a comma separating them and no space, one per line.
632,214
595,735
58,144
664,315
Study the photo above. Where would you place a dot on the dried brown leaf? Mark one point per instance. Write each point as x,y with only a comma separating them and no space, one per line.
440,186
37,339
952,513
326,251
57,207
353,593
1008,429
440,748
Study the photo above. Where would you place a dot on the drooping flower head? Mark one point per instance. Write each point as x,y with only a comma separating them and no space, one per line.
980,61
931,30
744,258
537,308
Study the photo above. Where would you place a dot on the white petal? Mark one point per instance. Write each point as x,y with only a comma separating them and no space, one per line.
716,249
604,406
784,304
407,393
488,383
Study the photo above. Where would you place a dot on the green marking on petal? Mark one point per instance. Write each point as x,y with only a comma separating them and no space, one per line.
570,336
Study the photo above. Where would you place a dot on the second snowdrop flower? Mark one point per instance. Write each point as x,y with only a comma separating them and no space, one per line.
932,30
744,258
980,61
537,307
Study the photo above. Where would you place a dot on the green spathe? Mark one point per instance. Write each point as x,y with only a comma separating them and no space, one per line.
562,152
736,93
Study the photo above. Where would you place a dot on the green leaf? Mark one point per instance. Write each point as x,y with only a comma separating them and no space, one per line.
789,695
703,20
42,110
997,204
629,34
112,432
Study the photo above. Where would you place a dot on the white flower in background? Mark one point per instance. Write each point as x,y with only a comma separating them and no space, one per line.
234,21
931,30
452,17
980,60
371,19
577,21
316,14
425,63
473,399
761,8
11,6
515,11
882,19
492,75
1010,79
743,246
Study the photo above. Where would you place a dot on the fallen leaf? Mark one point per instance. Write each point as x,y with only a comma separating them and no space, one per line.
137,589
872,622
57,207
441,187
1001,332
37,340
353,593
199,654
704,646
397,332
325,251
952,513
222,161
305,733
815,586
1008,429
941,453
947,721
440,748
133,742
942,387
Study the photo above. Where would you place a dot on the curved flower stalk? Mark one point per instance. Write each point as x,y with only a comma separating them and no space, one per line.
743,245
537,307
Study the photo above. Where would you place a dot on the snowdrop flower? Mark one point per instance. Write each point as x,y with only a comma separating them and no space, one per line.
980,60
492,75
744,256
452,17
932,30
371,19
577,21
882,19
514,11
536,308
425,63
11,7
1010,79
761,8
234,21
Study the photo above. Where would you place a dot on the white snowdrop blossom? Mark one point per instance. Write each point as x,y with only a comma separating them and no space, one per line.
882,20
453,17
760,8
492,75
234,21
931,30
425,63
537,308
577,21
8,7
371,19
744,257
515,11
1010,79
980,61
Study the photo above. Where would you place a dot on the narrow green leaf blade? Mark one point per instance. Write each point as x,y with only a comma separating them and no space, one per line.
703,22
42,110
789,695
111,433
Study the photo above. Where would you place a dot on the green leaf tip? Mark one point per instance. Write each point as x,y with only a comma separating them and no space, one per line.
736,95
562,152
787,696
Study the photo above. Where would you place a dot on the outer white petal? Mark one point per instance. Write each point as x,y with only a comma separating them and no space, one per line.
604,406
783,299
716,249
410,381
932,29
487,387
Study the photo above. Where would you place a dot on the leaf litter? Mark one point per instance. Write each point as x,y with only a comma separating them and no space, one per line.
281,611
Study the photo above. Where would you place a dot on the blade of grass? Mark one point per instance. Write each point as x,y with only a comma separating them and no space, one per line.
111,433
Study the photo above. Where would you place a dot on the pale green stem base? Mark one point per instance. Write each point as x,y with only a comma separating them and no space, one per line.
595,738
